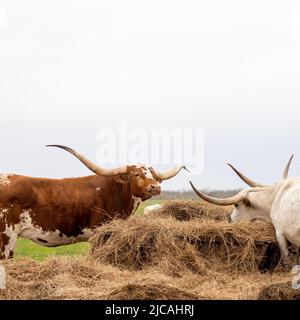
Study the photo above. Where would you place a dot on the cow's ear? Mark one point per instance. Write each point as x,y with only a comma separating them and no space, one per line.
122,178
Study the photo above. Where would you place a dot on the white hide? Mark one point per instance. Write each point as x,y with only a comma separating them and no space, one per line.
136,203
285,213
27,229
279,204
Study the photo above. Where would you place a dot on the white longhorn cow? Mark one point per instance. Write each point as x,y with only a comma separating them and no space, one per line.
278,203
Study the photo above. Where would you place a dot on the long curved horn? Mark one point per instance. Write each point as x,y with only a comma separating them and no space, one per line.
94,168
250,182
171,173
221,202
287,168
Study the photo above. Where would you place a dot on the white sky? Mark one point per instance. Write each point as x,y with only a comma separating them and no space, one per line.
71,68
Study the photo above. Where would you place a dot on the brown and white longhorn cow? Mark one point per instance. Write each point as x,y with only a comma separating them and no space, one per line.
54,212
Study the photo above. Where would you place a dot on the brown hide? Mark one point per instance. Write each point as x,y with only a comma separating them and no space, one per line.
67,205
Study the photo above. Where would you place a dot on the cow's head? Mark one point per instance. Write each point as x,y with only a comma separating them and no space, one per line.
144,180
250,204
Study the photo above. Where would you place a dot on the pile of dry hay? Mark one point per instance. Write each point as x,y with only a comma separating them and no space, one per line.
200,247
279,291
155,257
84,279
186,210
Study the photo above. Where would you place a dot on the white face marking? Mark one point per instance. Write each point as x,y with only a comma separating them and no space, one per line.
148,173
4,179
146,170
98,189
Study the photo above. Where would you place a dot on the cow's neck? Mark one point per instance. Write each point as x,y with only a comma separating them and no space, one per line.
264,200
128,202
276,189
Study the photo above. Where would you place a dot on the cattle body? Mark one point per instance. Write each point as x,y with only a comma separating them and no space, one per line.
278,203
55,212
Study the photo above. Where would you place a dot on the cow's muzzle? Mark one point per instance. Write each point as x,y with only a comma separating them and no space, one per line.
154,189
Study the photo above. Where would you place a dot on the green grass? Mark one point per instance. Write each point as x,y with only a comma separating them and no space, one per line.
28,249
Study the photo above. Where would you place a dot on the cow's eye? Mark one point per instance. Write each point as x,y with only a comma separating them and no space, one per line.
236,205
247,203
137,175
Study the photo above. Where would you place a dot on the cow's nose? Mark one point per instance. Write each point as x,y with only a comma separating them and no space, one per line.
154,187
229,219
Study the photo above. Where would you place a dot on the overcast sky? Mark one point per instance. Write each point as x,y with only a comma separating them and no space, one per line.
71,68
